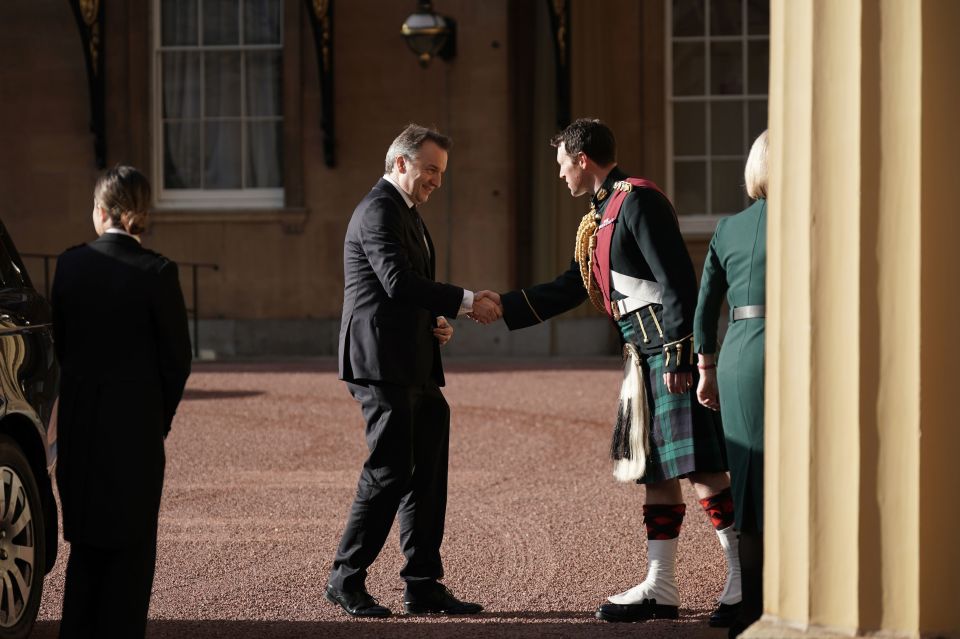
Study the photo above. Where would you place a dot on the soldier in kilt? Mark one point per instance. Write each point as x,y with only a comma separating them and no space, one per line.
632,263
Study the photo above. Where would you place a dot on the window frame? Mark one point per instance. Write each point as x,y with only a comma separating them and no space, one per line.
704,224
213,199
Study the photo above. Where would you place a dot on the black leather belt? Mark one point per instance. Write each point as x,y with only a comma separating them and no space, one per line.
749,312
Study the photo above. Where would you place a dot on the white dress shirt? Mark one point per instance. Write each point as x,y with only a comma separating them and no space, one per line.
117,231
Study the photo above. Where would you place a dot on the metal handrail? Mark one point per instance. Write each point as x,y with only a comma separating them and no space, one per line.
194,311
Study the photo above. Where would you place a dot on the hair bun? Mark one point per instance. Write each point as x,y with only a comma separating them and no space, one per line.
134,222
125,193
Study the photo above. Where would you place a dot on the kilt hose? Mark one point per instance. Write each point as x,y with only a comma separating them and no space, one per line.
685,437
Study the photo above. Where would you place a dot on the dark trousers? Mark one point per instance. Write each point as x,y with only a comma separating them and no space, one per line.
408,436
107,591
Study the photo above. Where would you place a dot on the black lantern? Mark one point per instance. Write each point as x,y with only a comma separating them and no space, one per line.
430,35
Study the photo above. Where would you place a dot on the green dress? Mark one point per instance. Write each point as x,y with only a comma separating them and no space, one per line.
736,267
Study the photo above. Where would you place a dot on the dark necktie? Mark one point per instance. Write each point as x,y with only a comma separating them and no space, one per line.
420,227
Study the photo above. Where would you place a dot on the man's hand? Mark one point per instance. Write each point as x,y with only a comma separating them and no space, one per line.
707,391
486,307
678,382
443,331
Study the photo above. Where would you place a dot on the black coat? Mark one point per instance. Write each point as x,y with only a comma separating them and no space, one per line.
390,298
120,330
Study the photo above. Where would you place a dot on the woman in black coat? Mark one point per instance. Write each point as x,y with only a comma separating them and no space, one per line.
120,329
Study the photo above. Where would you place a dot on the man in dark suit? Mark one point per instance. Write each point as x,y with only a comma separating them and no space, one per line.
390,336
120,329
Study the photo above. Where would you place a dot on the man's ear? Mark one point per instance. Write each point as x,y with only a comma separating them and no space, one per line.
582,160
401,164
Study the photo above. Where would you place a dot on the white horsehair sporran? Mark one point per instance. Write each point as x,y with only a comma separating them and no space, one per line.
629,447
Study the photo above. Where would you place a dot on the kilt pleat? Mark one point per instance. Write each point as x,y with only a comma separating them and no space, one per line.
685,437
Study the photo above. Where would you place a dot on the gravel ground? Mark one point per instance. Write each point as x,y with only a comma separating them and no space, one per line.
262,465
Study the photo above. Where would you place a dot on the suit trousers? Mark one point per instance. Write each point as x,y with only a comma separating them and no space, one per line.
107,591
408,438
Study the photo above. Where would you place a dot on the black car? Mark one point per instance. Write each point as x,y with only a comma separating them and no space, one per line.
28,444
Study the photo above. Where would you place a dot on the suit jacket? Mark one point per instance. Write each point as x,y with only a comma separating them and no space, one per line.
120,331
390,298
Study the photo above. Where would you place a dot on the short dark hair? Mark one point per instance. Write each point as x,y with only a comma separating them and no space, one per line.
589,136
124,192
409,142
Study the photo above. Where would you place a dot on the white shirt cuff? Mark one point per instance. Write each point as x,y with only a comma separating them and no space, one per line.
466,304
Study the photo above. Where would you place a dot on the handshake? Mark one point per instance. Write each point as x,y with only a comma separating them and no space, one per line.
486,307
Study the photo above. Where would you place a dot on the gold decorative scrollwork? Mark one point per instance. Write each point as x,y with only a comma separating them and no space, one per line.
321,13
95,46
89,15
90,9
560,10
321,9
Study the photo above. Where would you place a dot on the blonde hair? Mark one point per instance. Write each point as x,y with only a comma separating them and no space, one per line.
124,193
755,173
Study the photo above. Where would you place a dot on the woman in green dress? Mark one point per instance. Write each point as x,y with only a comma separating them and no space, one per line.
733,384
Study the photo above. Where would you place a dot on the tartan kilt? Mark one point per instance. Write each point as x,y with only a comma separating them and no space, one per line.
685,437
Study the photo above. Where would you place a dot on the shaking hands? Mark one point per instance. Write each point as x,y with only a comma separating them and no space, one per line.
486,307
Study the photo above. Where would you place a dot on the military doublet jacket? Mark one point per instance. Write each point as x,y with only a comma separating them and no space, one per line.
649,262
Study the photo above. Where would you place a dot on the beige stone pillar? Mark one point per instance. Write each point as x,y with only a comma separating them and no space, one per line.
863,434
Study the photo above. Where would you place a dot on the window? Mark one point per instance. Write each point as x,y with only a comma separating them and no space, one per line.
717,70
218,113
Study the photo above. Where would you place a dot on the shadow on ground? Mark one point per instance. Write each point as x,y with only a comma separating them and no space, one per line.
199,393
521,625
450,364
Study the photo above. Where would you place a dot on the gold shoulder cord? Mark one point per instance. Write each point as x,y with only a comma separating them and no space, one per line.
583,253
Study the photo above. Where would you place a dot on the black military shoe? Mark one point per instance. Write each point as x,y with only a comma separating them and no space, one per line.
357,603
643,611
724,615
435,598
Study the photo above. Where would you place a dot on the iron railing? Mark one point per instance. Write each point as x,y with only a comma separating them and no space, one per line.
47,258
193,311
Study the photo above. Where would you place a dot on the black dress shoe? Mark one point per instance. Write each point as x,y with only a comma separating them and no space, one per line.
357,603
643,611
435,598
724,615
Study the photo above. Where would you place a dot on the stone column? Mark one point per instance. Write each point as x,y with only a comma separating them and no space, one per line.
862,437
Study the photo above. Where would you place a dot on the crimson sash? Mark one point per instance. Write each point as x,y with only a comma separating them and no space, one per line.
601,256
